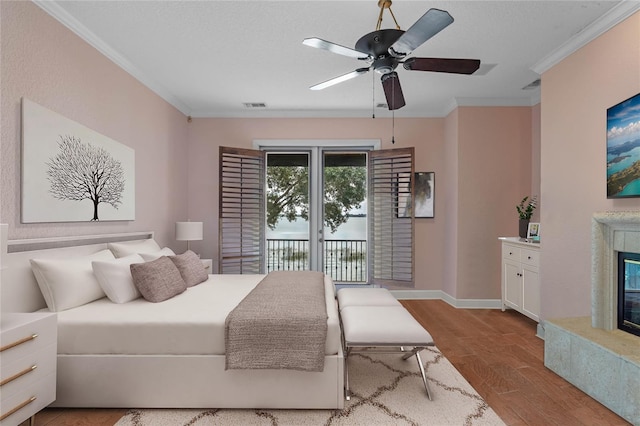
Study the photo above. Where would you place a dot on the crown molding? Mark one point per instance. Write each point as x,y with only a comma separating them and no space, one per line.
62,16
613,17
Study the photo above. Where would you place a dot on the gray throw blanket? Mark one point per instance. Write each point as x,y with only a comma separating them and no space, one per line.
281,324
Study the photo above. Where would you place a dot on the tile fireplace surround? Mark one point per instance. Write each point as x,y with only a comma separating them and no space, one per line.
590,352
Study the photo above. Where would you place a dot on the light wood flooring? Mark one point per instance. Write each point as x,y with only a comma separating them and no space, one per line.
497,352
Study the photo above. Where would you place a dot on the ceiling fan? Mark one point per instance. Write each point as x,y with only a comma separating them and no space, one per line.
383,50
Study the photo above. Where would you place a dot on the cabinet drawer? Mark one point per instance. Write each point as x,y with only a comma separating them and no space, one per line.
18,341
511,252
16,408
530,257
26,371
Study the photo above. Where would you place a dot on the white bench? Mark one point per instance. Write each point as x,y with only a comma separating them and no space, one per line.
373,318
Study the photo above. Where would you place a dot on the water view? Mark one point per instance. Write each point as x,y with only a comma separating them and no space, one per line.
344,256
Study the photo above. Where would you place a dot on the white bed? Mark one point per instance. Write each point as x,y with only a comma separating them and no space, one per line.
169,354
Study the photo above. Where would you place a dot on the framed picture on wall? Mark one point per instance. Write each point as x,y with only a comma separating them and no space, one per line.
623,149
422,190
71,173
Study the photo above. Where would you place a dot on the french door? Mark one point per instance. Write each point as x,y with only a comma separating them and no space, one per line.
318,208
316,211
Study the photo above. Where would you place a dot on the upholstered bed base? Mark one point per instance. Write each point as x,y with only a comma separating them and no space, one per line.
192,382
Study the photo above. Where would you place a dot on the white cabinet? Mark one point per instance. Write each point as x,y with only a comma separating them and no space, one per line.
28,343
520,276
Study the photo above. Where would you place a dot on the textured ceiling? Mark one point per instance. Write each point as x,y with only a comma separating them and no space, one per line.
208,58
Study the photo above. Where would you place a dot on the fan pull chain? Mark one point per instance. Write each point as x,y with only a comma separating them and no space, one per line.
393,127
373,95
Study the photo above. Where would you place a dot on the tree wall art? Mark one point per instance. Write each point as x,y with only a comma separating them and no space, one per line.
71,173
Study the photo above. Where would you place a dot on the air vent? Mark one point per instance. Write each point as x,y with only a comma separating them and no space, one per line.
533,85
255,105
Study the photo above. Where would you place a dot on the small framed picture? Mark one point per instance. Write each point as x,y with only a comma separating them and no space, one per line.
533,231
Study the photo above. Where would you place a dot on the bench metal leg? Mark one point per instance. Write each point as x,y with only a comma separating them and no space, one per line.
347,392
424,376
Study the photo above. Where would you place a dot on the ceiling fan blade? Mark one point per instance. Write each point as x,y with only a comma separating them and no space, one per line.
456,66
334,48
392,90
339,79
430,24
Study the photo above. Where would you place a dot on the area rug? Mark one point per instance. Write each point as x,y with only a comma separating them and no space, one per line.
386,391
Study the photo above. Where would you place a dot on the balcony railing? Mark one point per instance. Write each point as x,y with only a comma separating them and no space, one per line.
344,260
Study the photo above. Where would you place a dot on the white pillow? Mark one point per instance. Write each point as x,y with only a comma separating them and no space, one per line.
148,257
126,248
115,278
67,283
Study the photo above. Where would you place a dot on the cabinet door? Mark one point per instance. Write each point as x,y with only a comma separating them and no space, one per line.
512,284
531,292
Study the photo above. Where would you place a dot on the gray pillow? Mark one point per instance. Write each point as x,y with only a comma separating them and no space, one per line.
157,280
191,268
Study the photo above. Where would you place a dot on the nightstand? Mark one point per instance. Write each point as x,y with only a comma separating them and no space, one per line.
28,352
208,265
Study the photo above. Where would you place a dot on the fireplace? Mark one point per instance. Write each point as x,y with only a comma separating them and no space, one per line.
615,235
592,352
629,292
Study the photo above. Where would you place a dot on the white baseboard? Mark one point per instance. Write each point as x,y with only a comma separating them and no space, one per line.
441,295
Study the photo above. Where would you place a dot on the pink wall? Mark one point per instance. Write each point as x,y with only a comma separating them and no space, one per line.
451,159
45,62
535,159
493,174
575,95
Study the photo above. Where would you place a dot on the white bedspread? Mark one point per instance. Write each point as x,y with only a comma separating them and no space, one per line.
191,323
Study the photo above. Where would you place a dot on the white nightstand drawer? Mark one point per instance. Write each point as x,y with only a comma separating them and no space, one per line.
208,265
26,371
19,339
21,405
530,257
28,363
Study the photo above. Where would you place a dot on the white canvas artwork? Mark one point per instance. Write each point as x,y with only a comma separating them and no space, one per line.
71,173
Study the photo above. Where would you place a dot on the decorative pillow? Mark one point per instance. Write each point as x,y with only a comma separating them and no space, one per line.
126,248
191,268
115,278
67,283
156,254
157,280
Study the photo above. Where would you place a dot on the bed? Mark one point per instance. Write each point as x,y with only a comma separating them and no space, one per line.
171,354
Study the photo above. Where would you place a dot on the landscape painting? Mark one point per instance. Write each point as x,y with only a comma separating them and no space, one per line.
623,149
71,173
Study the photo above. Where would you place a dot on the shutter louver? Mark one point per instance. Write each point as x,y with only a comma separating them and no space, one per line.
242,211
391,217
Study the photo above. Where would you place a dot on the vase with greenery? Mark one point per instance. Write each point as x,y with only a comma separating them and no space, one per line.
525,210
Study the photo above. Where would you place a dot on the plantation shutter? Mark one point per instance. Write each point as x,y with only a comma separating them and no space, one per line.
242,211
391,217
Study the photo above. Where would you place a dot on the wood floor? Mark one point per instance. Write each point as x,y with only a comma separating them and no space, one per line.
497,352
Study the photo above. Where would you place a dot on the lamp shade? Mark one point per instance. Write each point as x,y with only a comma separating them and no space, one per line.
188,231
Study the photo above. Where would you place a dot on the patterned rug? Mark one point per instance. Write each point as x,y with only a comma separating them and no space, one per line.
386,391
